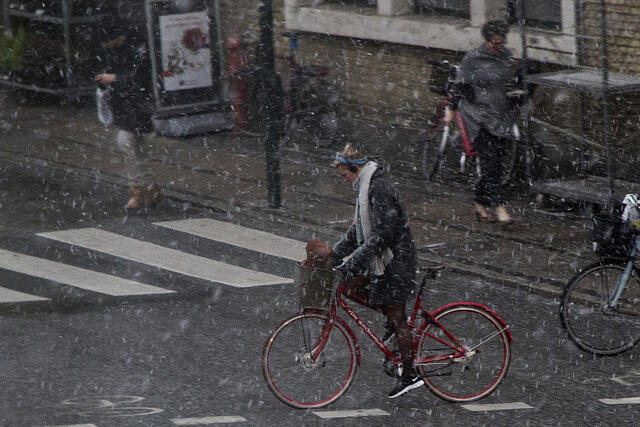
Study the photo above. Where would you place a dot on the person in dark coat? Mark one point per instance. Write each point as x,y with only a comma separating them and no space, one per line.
129,76
381,247
488,73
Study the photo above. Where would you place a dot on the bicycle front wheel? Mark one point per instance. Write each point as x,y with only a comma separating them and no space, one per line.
434,146
590,320
291,373
476,373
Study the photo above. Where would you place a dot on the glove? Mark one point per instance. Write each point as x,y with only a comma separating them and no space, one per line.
343,272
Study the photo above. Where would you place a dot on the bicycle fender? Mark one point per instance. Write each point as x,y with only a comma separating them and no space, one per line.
475,304
343,323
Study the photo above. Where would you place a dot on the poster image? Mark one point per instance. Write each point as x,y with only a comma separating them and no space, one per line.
186,54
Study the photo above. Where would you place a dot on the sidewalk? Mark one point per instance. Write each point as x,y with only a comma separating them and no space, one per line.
226,172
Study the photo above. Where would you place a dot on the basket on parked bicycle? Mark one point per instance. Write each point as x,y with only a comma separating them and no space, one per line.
442,73
314,286
612,237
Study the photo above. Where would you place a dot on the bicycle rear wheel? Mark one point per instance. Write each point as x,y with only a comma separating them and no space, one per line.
293,376
510,159
591,323
485,363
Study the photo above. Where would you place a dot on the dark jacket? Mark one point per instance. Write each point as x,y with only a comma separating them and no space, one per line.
489,77
132,101
390,229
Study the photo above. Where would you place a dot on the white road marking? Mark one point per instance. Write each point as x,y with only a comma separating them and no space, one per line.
631,379
496,406
164,258
243,237
375,412
621,401
74,276
208,420
9,296
73,425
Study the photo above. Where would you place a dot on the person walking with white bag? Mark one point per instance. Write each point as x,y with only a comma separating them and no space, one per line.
130,100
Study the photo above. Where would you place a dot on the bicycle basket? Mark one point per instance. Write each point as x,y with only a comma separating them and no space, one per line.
442,73
612,237
314,286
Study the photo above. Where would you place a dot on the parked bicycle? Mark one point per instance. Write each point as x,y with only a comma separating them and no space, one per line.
436,141
462,350
600,305
309,104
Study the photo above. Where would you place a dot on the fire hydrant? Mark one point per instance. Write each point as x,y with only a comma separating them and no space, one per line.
239,73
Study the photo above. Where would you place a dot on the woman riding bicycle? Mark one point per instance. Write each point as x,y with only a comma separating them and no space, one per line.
382,249
486,77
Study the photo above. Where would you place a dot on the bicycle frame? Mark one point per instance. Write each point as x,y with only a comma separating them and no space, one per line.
466,142
621,282
459,351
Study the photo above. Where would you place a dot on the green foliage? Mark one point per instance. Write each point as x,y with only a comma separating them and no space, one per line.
12,50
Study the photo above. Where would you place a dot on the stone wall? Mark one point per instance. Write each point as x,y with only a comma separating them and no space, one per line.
388,83
623,22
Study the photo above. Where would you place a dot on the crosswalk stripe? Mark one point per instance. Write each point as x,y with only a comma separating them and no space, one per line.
243,237
621,401
164,258
74,276
73,425
479,407
375,412
9,296
199,421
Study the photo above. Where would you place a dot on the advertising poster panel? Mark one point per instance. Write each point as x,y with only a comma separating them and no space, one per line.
186,51
187,66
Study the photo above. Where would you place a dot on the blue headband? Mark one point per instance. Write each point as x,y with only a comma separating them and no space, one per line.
344,161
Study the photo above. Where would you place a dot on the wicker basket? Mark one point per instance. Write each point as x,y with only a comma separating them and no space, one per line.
314,286
612,237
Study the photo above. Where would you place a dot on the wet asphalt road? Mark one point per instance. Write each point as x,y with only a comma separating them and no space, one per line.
150,361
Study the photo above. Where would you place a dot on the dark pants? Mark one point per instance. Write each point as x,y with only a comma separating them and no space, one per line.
490,148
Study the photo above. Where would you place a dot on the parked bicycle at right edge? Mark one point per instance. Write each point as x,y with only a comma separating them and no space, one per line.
600,305
438,139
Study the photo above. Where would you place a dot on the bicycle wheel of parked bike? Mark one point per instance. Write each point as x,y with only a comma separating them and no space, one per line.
313,113
485,364
293,376
590,321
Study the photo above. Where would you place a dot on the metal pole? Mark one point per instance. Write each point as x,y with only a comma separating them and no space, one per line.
606,126
268,84
520,13
6,18
524,67
578,32
66,28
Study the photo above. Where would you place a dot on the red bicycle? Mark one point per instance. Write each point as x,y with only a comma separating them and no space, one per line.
435,142
462,350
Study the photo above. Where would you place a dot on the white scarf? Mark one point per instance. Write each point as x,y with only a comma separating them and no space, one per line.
362,217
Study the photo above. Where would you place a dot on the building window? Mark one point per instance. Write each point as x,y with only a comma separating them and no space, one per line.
441,24
360,3
541,13
458,8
